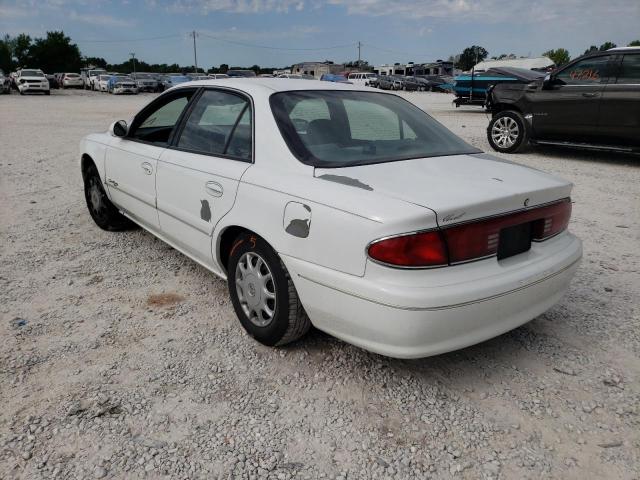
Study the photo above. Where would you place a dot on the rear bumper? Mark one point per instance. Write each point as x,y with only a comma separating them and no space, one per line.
435,312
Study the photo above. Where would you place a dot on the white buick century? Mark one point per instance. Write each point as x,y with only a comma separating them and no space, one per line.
340,207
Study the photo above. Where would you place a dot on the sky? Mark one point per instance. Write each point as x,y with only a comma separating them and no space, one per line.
282,32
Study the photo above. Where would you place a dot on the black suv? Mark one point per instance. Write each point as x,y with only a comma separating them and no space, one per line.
593,102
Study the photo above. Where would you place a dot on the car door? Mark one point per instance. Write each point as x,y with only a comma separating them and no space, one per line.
198,176
567,107
620,110
131,161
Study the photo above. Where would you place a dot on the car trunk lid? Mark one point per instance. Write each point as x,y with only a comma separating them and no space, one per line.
458,188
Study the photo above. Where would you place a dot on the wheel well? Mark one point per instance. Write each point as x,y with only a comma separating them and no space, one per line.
85,164
501,107
226,242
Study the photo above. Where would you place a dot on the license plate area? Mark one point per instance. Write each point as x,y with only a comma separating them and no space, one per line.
514,240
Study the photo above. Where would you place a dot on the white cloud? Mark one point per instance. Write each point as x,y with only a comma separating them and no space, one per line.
101,19
489,11
230,6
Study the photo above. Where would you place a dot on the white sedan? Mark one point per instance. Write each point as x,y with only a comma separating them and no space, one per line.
340,207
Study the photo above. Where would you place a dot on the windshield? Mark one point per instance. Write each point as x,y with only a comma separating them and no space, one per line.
345,128
122,79
31,73
71,75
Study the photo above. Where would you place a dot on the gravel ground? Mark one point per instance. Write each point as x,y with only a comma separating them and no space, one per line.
121,358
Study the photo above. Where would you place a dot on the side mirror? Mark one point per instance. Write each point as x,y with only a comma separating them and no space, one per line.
548,81
118,129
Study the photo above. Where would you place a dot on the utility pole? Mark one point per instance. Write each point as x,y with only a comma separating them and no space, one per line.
133,58
195,52
359,46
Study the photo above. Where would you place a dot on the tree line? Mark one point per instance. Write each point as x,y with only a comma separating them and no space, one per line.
560,56
57,53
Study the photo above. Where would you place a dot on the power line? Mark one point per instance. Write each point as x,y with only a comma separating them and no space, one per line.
126,40
253,45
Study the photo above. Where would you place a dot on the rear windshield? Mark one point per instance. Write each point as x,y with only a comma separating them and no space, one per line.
345,128
71,75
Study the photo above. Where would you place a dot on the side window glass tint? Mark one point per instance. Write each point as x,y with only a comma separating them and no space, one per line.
156,126
219,120
629,70
588,71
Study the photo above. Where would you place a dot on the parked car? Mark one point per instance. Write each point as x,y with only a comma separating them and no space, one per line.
5,83
241,73
217,76
330,77
91,77
362,218
146,82
102,83
32,80
118,84
361,78
412,84
593,102
172,80
71,80
389,82
440,83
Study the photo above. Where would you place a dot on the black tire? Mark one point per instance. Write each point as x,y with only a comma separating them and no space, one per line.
504,118
48,92
289,321
104,213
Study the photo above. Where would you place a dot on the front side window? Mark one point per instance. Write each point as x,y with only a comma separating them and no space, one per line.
629,70
156,124
220,124
345,128
589,71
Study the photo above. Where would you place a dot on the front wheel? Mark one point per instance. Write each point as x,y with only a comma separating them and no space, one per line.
508,132
263,295
104,213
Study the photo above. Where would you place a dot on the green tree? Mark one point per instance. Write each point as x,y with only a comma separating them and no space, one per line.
6,63
20,47
98,62
55,53
635,43
606,46
591,49
470,56
560,56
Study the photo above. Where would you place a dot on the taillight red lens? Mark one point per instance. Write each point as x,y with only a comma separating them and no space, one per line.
469,241
425,249
555,219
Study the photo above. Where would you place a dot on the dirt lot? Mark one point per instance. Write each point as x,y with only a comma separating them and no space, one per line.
121,358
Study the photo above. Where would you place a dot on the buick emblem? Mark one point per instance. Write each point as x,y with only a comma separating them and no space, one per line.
526,202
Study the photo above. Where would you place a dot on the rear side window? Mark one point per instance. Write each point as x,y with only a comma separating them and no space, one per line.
629,70
586,72
220,124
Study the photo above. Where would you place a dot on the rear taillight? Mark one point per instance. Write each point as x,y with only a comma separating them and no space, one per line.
424,249
554,220
468,241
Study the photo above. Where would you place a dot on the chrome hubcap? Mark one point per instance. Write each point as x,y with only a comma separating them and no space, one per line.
96,197
256,289
505,132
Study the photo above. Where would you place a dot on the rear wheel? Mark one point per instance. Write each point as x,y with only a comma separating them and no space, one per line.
508,132
104,213
263,295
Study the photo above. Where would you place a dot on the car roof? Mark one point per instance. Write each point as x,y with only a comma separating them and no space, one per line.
271,85
624,49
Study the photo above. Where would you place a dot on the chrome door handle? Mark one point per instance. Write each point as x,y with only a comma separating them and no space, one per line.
589,95
147,167
214,189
